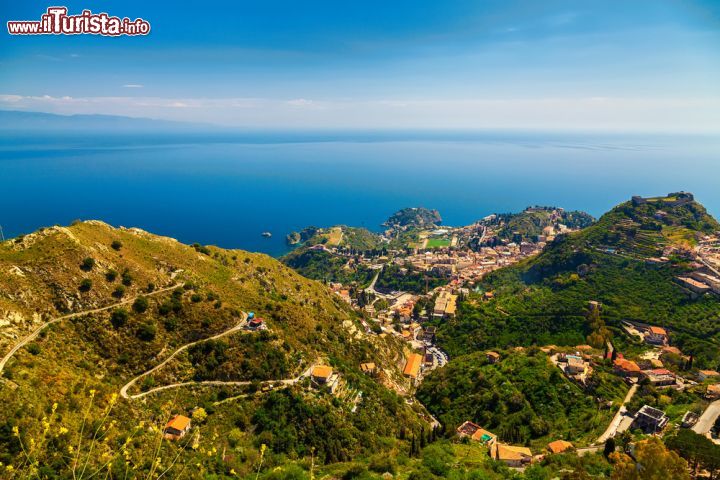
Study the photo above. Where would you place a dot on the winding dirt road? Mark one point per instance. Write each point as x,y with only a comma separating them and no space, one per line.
39,329
124,389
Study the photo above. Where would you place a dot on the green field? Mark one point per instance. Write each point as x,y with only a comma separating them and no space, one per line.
438,242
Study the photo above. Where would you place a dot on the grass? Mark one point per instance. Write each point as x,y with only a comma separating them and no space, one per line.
438,242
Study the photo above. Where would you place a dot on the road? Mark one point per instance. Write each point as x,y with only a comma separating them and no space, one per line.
39,329
707,419
216,383
618,418
124,389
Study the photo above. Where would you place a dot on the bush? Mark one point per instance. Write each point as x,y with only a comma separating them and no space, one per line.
170,324
196,298
127,278
116,245
147,331
150,287
140,304
119,292
87,264
85,285
119,318
111,275
34,348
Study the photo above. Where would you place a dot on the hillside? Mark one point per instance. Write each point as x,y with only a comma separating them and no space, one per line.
123,301
524,398
531,222
543,300
416,217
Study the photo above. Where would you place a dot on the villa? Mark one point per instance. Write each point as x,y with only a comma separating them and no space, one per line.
177,427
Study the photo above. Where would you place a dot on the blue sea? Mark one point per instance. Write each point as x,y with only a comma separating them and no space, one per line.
226,190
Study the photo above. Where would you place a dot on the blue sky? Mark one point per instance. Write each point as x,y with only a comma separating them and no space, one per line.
613,65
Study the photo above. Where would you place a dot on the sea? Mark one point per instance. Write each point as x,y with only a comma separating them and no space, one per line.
228,189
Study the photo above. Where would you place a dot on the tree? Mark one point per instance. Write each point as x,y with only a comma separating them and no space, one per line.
147,331
199,415
698,450
140,304
116,245
119,292
110,275
653,462
85,285
87,264
119,318
609,447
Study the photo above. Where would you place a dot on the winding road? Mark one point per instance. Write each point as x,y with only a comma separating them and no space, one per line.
39,329
124,389
615,423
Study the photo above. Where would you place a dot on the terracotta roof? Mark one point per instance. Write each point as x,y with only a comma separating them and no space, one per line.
510,452
322,371
493,354
627,365
559,446
658,331
412,367
367,367
178,422
710,373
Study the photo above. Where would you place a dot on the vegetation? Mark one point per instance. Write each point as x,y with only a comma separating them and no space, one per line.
414,217
524,399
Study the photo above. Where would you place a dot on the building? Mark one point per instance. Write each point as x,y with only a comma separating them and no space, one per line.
324,375
256,323
429,334
368,368
177,427
713,392
650,420
656,336
705,374
477,433
576,365
559,446
661,377
412,366
693,285
492,357
511,455
627,368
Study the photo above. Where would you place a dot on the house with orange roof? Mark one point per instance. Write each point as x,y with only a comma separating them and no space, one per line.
412,366
559,446
656,336
511,455
177,427
477,433
705,374
626,368
492,357
324,375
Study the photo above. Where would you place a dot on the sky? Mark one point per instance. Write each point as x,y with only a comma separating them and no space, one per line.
640,65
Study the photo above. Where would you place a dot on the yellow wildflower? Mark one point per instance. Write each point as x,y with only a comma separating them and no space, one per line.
16,431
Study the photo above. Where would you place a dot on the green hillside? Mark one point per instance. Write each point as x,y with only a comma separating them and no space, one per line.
543,300
524,398
139,298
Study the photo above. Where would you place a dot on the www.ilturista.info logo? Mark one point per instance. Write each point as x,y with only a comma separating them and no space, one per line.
57,22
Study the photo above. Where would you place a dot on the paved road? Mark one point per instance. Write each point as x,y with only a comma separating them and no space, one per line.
124,389
619,416
35,332
707,419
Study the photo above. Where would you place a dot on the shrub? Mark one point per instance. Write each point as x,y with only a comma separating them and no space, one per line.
127,278
140,304
116,245
85,285
150,287
87,264
119,292
147,331
170,324
119,318
34,348
110,275
196,297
